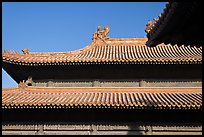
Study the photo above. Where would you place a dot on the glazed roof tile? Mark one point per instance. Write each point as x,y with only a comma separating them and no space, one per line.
132,50
86,97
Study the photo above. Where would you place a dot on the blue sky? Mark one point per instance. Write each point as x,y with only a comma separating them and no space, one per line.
67,26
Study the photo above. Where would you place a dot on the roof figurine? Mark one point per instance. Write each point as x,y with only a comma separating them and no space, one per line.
26,83
26,50
101,34
155,21
149,26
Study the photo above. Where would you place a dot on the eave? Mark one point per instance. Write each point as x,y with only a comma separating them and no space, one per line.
98,97
180,23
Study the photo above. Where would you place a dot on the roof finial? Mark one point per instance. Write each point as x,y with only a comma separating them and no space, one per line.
98,28
155,20
26,83
26,50
149,26
101,34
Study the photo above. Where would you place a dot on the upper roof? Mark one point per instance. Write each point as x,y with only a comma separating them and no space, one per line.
91,97
110,50
180,23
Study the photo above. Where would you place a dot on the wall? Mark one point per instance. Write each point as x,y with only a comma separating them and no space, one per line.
101,121
118,83
98,129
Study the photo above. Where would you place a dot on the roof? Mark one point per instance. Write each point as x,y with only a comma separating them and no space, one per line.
180,23
112,97
110,50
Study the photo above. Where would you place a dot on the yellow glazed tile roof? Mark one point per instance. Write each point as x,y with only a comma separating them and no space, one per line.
86,97
111,50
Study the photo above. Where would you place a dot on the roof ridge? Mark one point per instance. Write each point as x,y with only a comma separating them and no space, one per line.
94,43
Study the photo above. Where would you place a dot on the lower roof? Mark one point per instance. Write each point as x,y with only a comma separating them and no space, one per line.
111,97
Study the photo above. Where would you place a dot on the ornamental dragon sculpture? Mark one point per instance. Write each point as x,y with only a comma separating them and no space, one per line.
26,83
101,34
149,26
